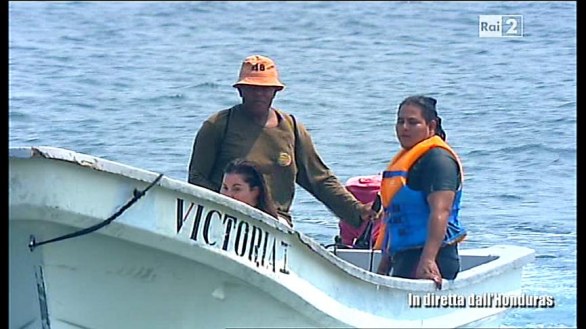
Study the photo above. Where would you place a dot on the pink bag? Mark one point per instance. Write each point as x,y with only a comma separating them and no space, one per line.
365,189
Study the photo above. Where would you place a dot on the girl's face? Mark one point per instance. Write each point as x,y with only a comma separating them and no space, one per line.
411,127
234,186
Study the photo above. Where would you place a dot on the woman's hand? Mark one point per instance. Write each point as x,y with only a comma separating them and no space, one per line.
427,269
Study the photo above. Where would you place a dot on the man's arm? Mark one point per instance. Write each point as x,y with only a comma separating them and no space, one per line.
203,156
315,177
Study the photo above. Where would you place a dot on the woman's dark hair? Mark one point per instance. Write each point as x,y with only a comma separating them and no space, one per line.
253,177
427,105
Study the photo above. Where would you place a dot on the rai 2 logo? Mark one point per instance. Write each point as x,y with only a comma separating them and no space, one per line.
500,26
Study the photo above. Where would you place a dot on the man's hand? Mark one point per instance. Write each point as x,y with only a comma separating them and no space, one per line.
368,214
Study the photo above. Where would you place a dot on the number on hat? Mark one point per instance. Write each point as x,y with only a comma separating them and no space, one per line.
258,67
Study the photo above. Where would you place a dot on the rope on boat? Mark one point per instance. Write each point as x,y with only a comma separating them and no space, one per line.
136,195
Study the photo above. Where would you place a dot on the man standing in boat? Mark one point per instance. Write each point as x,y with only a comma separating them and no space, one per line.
280,146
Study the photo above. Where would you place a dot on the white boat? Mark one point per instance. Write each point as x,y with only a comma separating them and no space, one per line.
135,249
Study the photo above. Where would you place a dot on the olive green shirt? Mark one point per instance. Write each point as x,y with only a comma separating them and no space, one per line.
282,160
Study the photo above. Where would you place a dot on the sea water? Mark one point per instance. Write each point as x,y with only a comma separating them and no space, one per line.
133,81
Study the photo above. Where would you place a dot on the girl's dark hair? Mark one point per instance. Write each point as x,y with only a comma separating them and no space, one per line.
427,105
253,177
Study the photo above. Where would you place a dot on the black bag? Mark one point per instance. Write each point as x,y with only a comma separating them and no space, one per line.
364,241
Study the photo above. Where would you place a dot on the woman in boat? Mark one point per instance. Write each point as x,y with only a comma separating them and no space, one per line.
244,182
279,144
420,192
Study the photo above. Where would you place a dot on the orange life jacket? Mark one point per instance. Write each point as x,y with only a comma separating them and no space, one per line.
402,163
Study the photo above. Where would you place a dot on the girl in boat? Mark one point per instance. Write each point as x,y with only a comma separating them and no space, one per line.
244,182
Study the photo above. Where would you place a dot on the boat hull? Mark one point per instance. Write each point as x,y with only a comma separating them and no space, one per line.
181,256
103,282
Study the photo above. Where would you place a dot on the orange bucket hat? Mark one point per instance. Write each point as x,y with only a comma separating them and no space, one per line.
259,70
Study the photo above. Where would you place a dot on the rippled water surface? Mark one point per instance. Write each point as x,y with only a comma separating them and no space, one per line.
133,81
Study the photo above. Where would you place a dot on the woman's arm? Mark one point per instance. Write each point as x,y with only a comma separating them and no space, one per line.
440,204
